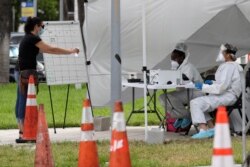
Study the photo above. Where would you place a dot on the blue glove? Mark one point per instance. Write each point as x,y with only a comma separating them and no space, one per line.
209,82
198,85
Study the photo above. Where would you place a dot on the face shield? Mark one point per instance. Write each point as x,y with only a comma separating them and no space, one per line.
220,58
226,49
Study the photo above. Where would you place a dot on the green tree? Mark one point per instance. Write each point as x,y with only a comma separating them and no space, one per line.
48,10
5,27
17,6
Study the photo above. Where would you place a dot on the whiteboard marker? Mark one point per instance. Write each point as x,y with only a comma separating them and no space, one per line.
76,54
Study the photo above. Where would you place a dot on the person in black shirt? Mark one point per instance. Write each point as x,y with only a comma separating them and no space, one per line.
29,47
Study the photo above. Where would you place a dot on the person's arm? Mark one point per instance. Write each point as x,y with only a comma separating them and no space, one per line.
222,83
45,48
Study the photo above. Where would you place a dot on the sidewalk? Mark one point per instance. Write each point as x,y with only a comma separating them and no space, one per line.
8,137
74,134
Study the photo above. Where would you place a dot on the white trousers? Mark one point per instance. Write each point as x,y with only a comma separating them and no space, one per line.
201,106
175,103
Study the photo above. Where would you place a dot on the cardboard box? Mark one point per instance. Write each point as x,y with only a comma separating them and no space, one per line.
156,136
101,123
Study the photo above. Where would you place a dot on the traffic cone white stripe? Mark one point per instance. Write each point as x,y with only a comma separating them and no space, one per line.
31,95
226,161
31,102
31,89
222,130
119,122
87,136
87,116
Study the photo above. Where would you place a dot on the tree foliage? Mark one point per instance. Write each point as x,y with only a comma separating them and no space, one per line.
48,9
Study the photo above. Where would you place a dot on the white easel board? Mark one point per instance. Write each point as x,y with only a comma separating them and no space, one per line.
64,69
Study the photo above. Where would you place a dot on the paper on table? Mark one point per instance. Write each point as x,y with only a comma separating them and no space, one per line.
189,85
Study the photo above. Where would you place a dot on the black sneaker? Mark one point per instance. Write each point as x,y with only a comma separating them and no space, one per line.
21,140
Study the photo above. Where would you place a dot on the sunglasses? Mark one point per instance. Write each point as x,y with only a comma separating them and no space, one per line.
42,26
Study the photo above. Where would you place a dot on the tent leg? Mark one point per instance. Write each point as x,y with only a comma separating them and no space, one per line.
87,86
66,107
51,104
133,105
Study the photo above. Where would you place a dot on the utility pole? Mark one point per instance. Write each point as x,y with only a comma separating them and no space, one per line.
76,18
115,53
61,10
35,7
13,18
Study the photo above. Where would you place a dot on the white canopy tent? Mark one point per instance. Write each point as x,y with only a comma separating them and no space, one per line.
202,24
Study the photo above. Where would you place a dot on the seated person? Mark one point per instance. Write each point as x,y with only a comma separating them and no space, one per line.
175,102
224,91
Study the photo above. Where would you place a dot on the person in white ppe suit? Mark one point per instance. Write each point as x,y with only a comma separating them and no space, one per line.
175,102
224,91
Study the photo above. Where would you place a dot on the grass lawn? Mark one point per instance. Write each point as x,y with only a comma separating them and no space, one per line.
176,153
8,98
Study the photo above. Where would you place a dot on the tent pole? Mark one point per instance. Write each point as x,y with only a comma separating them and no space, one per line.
244,130
144,54
83,17
87,52
115,53
243,120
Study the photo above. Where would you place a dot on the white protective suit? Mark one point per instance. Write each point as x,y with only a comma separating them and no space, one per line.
224,91
175,102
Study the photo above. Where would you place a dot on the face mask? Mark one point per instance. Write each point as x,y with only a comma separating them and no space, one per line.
41,31
220,58
174,65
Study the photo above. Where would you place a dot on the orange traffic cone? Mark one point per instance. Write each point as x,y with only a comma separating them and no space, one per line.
30,121
43,154
88,156
222,151
119,148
